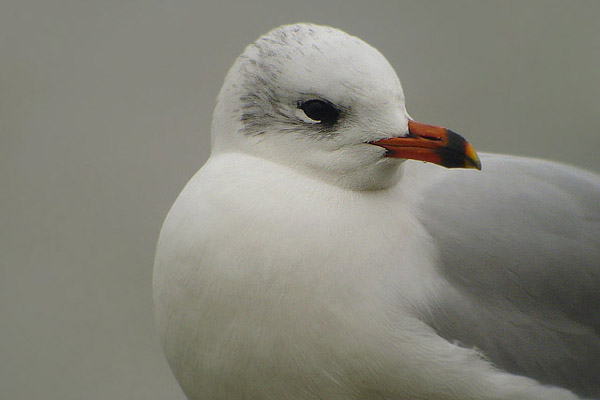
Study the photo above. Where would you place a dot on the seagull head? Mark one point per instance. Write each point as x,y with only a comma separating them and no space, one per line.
329,105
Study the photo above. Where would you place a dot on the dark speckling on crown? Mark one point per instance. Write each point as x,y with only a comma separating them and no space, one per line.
263,100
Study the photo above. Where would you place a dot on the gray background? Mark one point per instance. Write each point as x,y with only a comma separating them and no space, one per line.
105,109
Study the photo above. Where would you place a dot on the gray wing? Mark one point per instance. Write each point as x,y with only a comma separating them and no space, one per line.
520,244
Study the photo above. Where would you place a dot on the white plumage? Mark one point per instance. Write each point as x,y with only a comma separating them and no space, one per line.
304,262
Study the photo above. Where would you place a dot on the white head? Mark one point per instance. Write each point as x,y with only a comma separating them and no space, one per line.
314,98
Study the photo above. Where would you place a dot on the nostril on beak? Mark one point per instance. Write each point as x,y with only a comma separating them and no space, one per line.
434,138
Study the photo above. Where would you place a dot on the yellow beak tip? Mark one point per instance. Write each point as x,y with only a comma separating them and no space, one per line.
472,158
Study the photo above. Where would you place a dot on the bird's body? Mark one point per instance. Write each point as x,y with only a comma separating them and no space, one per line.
289,271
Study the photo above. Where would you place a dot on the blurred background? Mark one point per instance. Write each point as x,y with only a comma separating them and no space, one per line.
105,108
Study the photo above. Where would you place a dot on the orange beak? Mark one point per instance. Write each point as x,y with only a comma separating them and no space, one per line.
433,144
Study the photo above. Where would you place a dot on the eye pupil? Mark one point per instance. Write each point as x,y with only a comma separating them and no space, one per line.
320,110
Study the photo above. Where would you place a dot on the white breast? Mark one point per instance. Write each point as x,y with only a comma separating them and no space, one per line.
254,279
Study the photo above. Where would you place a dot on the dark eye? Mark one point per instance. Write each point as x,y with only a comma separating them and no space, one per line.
321,111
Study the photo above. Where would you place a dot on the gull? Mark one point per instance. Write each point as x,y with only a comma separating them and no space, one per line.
320,253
